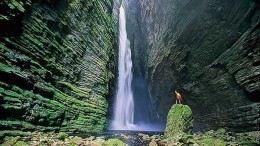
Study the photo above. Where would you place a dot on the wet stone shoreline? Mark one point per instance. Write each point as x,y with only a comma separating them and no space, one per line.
120,138
134,138
131,138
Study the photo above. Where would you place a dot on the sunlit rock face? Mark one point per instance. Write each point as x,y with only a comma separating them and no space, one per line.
56,65
208,51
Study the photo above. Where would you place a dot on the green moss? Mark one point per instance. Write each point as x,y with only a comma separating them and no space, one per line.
43,144
29,95
113,142
34,40
45,88
2,84
16,124
62,136
11,99
77,104
11,107
4,133
15,70
10,141
248,138
249,142
221,131
77,91
212,142
3,17
15,4
5,68
21,143
73,141
17,89
49,58
179,119
13,94
72,144
40,71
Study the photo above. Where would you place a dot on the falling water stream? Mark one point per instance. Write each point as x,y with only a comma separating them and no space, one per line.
124,104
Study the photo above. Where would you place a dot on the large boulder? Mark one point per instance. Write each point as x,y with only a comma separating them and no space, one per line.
179,120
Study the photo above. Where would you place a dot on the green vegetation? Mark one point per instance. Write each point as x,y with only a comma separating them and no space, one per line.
179,120
10,141
179,123
113,142
211,142
62,136
15,8
56,72
21,143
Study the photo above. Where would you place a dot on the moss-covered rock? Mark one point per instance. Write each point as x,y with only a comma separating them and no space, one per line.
21,143
9,141
57,64
211,142
62,136
179,120
214,138
113,142
221,131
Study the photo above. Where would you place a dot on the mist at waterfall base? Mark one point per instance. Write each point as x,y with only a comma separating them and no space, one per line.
142,107
142,121
131,108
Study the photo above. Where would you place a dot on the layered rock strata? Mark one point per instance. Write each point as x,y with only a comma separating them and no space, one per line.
56,65
207,50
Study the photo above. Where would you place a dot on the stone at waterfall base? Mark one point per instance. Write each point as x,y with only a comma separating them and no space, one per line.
179,126
179,120
59,139
213,138
210,138
113,142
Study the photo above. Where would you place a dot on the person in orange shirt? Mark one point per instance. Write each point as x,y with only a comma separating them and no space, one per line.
178,96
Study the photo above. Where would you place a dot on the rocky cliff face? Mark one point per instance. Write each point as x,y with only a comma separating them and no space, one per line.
207,50
57,63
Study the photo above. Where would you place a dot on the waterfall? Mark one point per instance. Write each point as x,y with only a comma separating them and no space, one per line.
123,112
124,102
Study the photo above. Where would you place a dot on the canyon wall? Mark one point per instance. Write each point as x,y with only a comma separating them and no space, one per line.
58,59
57,65
208,50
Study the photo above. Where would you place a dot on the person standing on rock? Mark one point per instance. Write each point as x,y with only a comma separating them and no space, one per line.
178,97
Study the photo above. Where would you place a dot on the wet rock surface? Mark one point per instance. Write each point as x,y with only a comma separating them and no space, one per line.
207,50
97,139
56,65
209,138
179,126
179,120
